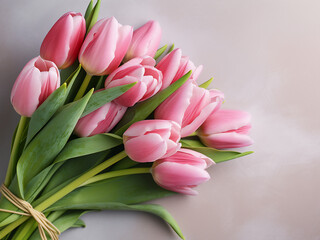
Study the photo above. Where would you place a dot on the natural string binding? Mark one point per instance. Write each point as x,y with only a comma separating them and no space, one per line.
44,225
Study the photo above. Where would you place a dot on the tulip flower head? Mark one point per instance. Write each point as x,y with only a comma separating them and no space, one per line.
182,171
173,66
62,43
145,41
37,80
105,46
150,140
101,120
140,70
226,129
189,106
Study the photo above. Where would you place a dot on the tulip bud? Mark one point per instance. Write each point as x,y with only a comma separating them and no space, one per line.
145,41
105,46
173,66
63,41
140,70
182,171
189,106
226,129
101,120
150,140
37,80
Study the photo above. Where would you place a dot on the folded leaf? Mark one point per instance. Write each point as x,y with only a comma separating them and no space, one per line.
216,155
88,10
206,84
93,16
160,51
43,149
143,109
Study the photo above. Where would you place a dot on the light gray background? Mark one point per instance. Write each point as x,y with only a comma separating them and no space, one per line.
264,55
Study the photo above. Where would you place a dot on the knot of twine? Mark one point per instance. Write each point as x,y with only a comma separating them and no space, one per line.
44,225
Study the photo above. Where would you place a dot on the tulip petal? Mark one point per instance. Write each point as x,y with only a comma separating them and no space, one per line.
227,140
146,148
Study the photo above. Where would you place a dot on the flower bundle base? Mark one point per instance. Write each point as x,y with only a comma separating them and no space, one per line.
125,115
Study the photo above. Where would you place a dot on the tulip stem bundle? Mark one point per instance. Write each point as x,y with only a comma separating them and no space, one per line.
83,87
15,150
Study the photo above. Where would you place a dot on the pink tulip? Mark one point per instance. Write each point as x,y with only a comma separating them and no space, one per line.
182,171
189,106
63,41
150,140
37,80
145,41
105,46
226,129
173,66
140,70
101,120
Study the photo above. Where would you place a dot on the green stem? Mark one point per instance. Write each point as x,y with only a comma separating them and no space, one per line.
83,87
15,151
66,190
117,173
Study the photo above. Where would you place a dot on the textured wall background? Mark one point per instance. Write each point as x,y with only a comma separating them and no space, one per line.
264,55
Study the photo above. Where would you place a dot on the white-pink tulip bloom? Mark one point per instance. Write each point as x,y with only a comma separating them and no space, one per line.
226,129
173,66
189,106
182,171
105,46
37,80
101,120
140,70
150,140
145,41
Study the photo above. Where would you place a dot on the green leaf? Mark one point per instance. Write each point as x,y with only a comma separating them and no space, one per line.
79,224
143,109
160,51
93,16
42,150
100,98
64,222
73,149
45,111
171,49
206,84
89,10
100,83
216,155
130,189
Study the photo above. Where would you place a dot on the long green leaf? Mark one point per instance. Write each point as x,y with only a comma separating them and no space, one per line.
131,189
100,98
45,111
142,110
42,150
93,16
88,10
216,155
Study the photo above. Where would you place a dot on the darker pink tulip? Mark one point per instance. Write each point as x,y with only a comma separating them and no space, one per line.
101,120
37,80
141,71
173,66
145,41
150,140
63,41
182,171
189,106
226,129
105,46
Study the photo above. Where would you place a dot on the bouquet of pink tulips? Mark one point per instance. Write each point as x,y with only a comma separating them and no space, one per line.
109,121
